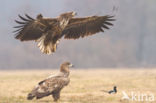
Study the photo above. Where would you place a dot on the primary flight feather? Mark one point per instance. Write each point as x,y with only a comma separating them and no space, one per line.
48,31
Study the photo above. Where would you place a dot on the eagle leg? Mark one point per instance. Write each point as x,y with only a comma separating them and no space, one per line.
54,47
56,95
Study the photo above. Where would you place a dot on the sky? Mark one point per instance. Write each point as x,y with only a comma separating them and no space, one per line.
120,46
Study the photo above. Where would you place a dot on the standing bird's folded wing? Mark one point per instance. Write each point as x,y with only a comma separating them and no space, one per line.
50,86
85,27
29,29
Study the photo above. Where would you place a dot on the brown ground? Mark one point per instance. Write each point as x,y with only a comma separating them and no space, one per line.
85,85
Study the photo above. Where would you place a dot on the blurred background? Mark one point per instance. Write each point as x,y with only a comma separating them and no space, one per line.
131,42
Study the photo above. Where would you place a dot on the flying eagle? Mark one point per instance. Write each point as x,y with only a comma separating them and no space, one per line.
52,85
48,31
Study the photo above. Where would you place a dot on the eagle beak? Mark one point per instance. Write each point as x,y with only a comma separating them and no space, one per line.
74,13
71,65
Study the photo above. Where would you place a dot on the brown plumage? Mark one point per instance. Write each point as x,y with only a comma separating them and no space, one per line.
48,31
52,85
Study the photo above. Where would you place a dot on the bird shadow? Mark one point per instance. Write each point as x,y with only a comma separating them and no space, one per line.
44,101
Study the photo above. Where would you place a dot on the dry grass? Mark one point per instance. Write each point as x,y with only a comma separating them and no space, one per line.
85,85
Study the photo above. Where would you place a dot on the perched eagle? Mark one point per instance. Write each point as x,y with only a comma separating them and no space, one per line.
53,84
48,31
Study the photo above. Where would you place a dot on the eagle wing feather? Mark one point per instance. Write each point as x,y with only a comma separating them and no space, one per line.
31,29
49,85
74,20
88,26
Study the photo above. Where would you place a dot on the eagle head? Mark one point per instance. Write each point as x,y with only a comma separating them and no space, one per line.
65,17
67,64
68,14
65,67
39,16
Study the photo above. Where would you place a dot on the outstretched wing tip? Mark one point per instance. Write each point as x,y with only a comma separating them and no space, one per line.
24,25
89,26
111,17
24,19
19,22
29,17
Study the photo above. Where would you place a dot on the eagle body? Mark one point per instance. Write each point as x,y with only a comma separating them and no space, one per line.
48,42
52,85
47,32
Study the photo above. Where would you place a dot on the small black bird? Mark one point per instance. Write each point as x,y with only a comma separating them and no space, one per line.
111,91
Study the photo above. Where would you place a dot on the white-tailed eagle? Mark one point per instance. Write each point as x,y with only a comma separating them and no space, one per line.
52,85
48,31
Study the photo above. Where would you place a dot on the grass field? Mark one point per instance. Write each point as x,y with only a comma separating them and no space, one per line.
85,85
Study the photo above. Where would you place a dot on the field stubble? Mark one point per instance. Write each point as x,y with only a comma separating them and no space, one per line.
85,86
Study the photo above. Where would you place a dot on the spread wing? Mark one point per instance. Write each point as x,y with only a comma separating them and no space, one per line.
74,20
86,27
31,29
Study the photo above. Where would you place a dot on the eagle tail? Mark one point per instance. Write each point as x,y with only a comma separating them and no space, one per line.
30,96
49,48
